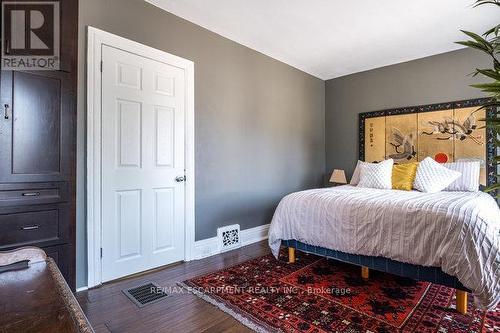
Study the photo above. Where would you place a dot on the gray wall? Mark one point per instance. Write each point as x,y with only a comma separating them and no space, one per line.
440,78
259,123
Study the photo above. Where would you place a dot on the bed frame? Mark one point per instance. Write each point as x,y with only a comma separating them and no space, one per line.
420,273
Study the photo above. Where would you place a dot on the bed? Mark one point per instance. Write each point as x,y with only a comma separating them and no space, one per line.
423,235
448,238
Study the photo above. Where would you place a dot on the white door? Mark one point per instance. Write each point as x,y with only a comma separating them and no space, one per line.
143,111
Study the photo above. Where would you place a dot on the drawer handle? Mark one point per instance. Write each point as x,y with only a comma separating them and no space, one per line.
33,227
31,194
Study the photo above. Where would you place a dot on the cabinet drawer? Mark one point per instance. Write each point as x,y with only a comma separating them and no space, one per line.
51,194
30,227
32,194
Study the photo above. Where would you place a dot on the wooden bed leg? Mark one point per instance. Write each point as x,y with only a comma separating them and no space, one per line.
291,255
461,301
365,272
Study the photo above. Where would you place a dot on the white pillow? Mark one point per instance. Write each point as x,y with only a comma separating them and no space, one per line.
376,175
433,177
469,180
355,175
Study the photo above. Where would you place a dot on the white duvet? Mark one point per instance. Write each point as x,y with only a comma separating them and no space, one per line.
457,231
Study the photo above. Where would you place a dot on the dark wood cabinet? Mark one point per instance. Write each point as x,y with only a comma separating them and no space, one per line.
34,137
38,153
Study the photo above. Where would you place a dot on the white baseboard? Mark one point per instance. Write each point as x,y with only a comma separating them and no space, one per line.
205,248
254,235
210,246
82,288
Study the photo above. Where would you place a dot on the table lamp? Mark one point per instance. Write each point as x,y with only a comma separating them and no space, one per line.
338,177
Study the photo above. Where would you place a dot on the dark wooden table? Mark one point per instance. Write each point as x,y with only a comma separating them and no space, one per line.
37,299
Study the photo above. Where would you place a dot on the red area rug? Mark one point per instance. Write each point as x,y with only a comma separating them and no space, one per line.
319,295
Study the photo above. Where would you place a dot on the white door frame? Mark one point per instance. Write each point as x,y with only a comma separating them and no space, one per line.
95,40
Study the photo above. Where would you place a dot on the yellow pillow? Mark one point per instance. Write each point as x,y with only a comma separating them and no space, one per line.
403,176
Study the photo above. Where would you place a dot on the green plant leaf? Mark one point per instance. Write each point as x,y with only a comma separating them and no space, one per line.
480,40
484,2
486,85
489,73
494,30
493,88
474,45
492,121
492,188
489,43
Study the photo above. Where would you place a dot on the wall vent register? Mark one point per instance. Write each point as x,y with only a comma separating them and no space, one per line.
229,237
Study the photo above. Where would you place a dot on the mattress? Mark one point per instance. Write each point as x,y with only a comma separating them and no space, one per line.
456,231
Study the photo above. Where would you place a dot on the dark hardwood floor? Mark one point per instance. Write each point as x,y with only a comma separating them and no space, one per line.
109,310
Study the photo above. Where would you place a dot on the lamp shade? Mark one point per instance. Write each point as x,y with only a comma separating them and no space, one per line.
338,176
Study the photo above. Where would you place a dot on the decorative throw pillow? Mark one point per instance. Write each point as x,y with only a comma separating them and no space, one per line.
376,175
469,180
403,176
355,176
433,177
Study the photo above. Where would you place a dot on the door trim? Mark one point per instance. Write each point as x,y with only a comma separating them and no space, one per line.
95,40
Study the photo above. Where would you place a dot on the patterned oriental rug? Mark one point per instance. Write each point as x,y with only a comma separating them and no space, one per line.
319,295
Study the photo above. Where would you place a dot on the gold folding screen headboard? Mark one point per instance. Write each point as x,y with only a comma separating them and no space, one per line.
447,132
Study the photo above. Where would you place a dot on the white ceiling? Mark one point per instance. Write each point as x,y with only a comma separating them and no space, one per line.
332,38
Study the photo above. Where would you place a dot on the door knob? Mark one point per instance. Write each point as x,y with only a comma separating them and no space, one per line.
180,179
6,110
